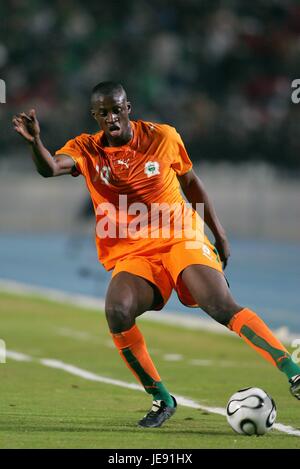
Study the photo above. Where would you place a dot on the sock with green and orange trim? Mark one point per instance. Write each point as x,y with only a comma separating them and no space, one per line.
256,333
133,350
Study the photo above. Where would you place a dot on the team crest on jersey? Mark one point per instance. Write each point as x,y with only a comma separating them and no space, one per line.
152,168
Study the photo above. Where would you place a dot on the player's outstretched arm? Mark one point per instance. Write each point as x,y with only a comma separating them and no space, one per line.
28,127
193,189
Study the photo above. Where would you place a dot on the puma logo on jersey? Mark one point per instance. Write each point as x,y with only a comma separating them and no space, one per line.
124,162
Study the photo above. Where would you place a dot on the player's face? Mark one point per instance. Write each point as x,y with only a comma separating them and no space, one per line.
112,115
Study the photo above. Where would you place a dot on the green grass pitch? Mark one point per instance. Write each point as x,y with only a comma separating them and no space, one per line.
42,407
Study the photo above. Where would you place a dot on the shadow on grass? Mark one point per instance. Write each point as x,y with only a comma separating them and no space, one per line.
107,429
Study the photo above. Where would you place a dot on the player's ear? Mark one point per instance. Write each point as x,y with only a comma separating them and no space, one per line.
93,114
128,107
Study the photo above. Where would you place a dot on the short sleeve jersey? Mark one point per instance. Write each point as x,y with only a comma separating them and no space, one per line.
144,171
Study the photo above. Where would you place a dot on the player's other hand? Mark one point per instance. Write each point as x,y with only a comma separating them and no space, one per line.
223,248
27,125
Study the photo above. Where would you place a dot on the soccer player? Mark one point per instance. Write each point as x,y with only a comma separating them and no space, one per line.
146,164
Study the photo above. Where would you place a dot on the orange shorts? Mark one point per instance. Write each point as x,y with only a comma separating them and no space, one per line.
164,268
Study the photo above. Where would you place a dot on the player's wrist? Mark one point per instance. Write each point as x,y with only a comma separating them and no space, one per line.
35,140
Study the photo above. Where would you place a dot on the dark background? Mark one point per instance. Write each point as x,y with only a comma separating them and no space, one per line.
220,71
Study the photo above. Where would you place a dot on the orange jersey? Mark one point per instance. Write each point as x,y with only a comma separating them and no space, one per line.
144,170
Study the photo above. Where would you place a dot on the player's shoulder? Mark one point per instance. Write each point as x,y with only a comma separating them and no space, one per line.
86,144
87,139
159,130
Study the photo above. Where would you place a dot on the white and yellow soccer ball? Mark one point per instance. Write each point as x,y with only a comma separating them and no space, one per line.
251,411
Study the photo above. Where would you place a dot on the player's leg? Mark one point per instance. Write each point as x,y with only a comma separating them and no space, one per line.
209,288
129,296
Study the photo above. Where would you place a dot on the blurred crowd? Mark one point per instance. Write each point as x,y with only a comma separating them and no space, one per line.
219,71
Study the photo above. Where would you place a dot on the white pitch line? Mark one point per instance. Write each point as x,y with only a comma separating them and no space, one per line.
83,336
173,357
201,362
19,357
88,375
79,335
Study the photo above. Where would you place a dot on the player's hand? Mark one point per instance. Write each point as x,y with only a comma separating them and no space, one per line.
223,249
27,125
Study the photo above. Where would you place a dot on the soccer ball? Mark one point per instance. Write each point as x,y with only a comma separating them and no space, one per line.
251,411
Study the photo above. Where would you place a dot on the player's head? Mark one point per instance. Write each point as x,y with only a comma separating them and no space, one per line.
111,109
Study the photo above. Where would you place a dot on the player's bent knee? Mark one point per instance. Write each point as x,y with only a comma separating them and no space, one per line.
120,315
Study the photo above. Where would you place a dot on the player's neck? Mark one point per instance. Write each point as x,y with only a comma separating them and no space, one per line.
121,140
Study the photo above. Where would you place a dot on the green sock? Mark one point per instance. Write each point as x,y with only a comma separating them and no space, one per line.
162,394
283,360
155,388
289,367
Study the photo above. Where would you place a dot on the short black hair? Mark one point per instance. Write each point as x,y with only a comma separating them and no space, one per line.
107,88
